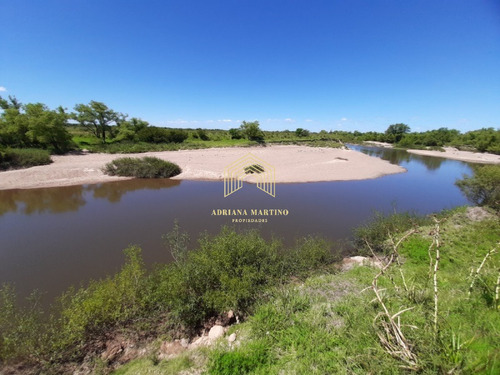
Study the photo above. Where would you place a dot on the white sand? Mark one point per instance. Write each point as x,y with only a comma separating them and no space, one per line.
453,153
379,144
292,164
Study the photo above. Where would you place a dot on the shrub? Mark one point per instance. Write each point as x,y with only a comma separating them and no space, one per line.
21,334
160,135
483,188
235,133
16,158
202,134
146,167
88,311
229,272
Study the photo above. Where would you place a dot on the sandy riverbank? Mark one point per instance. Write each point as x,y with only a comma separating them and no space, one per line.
292,164
453,153
378,144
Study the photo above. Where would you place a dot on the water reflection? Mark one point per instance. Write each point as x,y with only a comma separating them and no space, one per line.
49,200
56,237
71,198
113,191
399,157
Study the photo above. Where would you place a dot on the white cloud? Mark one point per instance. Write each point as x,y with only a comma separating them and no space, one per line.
343,119
225,120
289,120
2,89
309,120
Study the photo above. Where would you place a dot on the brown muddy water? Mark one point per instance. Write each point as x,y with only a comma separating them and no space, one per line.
53,238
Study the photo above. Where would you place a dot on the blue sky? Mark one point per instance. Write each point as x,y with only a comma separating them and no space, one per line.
334,64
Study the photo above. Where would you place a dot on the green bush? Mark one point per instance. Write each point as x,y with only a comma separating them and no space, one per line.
90,310
153,134
16,158
21,330
229,272
483,188
146,167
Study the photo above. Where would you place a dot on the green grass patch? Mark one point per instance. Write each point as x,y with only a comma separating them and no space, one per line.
147,366
326,324
146,167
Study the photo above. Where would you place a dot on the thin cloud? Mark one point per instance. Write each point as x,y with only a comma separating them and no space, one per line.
289,120
343,119
2,89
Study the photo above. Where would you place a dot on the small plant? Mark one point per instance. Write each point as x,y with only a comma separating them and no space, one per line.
147,167
254,168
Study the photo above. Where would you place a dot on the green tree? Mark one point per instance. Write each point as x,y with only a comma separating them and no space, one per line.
302,132
235,133
48,128
33,125
202,134
97,118
483,188
251,130
397,131
128,129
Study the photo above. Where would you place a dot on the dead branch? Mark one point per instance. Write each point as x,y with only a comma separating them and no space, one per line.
435,241
478,270
392,338
497,291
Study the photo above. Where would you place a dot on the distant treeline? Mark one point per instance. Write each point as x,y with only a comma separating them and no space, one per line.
97,127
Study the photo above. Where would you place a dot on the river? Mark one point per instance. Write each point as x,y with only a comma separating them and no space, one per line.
52,238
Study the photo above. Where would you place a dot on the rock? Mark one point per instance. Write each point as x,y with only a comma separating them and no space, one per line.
230,314
216,332
170,349
184,343
232,337
200,341
477,213
113,348
348,263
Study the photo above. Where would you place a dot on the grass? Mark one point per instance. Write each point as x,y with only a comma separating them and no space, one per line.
146,167
190,144
319,321
147,366
326,325
16,158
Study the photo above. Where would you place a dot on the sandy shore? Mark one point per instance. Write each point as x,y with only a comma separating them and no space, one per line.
453,153
378,144
292,164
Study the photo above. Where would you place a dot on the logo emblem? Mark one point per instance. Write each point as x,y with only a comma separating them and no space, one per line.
246,166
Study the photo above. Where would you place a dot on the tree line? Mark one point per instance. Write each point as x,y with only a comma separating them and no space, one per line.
34,125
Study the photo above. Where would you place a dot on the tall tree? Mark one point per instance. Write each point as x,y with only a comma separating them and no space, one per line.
252,131
97,118
397,131
33,125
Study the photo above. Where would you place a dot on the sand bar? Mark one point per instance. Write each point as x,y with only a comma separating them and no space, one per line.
453,153
293,164
378,144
